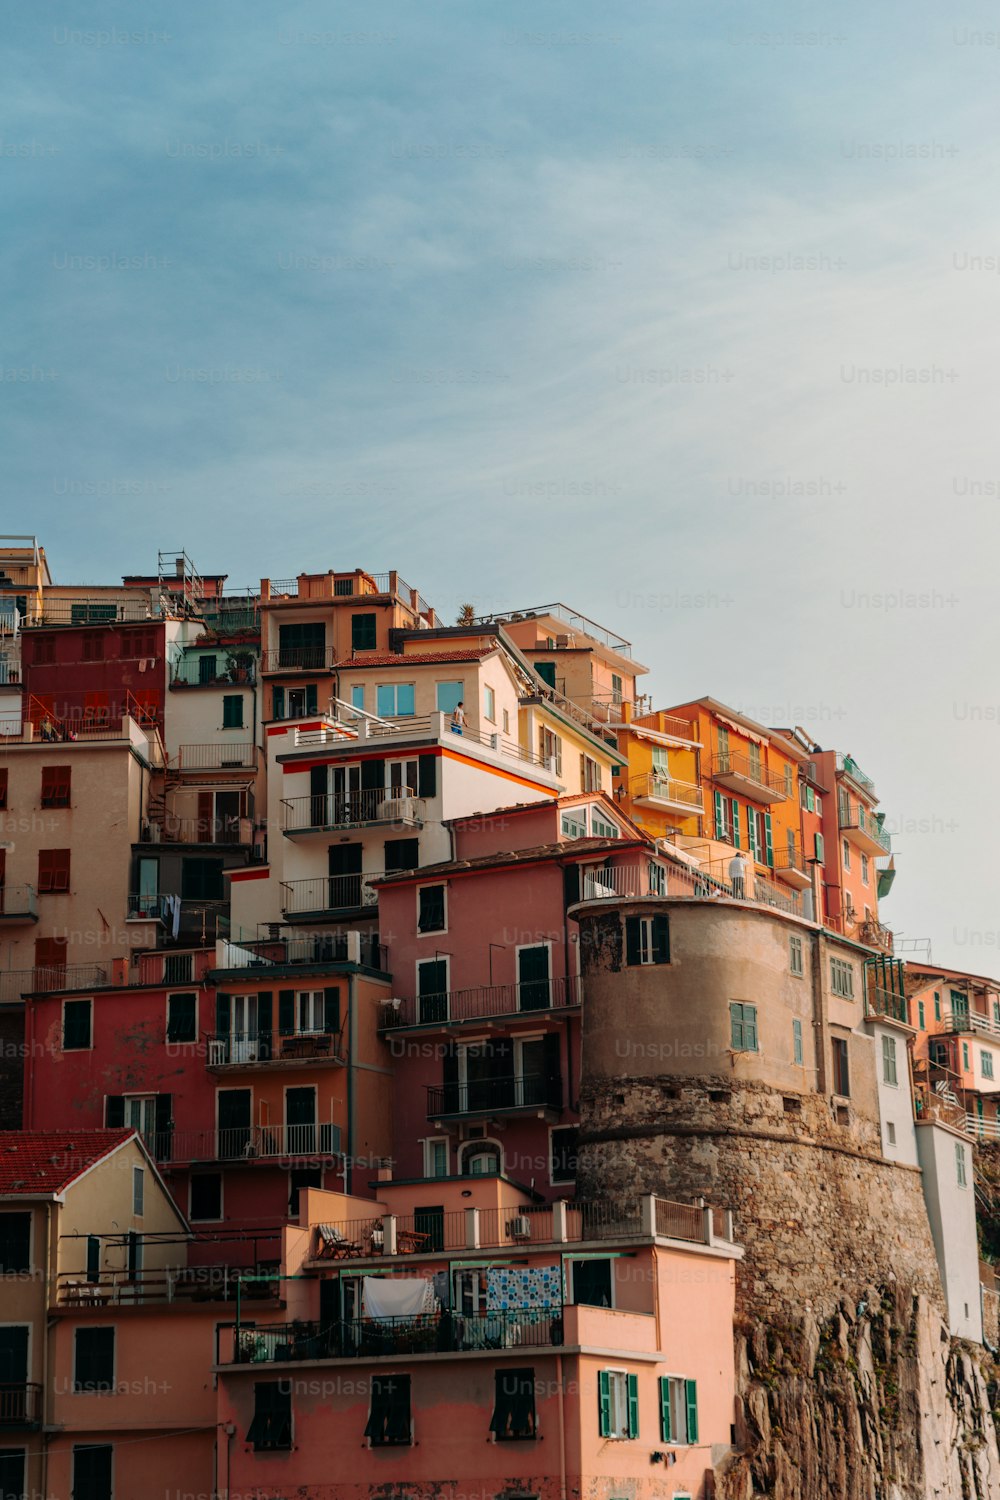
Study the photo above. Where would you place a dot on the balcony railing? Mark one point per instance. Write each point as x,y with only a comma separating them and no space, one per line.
91,612
169,829
351,810
240,1048
211,671
317,949
790,866
963,1018
299,659
655,786
250,1143
888,1003
145,908
377,1338
490,1096
570,617
327,894
746,774
857,819
20,1404
850,768
530,998
181,1284
18,903
220,757
14,983
985,1129
625,880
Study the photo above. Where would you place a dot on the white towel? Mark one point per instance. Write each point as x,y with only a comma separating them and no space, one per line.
402,1297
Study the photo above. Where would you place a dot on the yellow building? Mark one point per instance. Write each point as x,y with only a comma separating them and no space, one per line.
661,787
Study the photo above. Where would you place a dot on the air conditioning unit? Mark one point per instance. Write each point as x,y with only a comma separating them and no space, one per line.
396,809
562,640
520,1228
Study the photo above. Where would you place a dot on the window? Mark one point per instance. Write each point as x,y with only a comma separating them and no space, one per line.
94,1359
389,1419
795,960
364,635
15,1243
756,762
889,1070
302,646
506,721
842,978
435,1157
986,1063
481,1160
921,1018
138,1190
182,1018
592,1283
601,828
841,1068
660,768
562,1153
271,1428
574,825
847,854
678,1410
449,696
937,1005
55,786
401,854
206,1196
3,787
759,836
618,1404
797,1043
616,688
93,646
789,782
864,869
302,1177
208,668
201,880
431,909
232,711
819,848
395,700
358,696
550,751
657,879
92,1468
513,1417
727,819
743,1026
76,1025
960,1172
178,968
53,870
647,940
590,774
965,1054
12,1485
890,1133
489,704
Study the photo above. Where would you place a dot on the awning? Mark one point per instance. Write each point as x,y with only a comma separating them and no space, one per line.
747,734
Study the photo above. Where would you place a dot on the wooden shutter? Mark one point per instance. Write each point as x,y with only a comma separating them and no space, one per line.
265,1024
206,814
720,822
427,776
331,1011
278,703
223,1011
571,884
633,1405
661,939
633,940
818,847
312,698
286,1012
691,1393
604,1402
372,775
114,1111
163,1126
751,832
768,843
666,1431
736,822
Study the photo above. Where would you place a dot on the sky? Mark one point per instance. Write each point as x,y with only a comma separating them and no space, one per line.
680,311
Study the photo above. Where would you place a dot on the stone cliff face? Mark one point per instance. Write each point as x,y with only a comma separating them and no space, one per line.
849,1386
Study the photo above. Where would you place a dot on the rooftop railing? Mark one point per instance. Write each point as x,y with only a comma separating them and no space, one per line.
481,1002
313,949
712,880
93,611
15,983
850,767
569,617
494,1096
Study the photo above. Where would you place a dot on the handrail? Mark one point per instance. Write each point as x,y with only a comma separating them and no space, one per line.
480,1002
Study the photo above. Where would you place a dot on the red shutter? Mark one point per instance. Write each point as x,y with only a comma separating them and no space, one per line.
53,870
205,815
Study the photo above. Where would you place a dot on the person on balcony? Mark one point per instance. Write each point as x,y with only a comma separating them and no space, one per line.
739,868
458,718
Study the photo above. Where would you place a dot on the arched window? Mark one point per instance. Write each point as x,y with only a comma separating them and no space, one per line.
481,1159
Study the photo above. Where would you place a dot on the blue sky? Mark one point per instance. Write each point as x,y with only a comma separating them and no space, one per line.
681,312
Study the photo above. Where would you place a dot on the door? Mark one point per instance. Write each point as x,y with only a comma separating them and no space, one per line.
140,1115
243,1040
489,1076
345,784
300,1121
430,1222
13,1373
227,817
234,1122
149,886
345,876
432,990
959,1011
534,991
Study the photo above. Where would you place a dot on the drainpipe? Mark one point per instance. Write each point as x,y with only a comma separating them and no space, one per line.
562,1429
819,1015
50,1281
352,1021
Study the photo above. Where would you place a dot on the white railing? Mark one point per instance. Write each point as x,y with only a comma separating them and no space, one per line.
985,1129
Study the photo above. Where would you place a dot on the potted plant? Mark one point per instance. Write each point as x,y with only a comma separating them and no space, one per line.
240,665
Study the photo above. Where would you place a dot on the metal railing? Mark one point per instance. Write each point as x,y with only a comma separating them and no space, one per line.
888,1003
733,764
856,815
14,983
299,659
318,948
370,805
570,617
986,1129
664,723
375,1338
329,893
604,1218
20,1403
791,861
605,882
664,788
850,767
750,886
146,908
962,1018
220,757
18,901
93,612
181,1284
245,1143
170,829
494,1095
208,670
237,1048
532,997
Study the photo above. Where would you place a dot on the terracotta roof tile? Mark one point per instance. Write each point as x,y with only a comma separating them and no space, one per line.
413,658
46,1161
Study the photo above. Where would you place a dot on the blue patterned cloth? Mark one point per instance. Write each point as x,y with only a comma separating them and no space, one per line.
535,1289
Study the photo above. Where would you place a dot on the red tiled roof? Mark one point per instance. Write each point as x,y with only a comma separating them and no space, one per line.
397,659
568,849
46,1161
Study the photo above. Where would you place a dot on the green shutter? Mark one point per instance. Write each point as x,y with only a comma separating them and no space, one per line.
769,847
312,698
736,822
633,1406
750,1027
331,1011
736,1027
286,1012
427,776
720,825
666,1434
797,1041
278,703
751,834
691,1387
604,1402
222,1013
633,950
661,939
818,847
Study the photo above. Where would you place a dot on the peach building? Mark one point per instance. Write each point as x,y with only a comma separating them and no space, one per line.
462,1339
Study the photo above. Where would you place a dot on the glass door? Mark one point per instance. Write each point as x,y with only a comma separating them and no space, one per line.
243,1039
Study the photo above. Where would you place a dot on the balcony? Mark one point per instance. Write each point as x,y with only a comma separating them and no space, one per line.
385,1338
863,829
93,611
847,766
299,659
657,790
329,895
397,806
207,670
15,983
320,951
267,1144
962,1018
148,908
482,1003
232,832
224,756
749,777
17,905
791,869
889,1005
179,1285
20,1404
246,1049
518,1094
711,880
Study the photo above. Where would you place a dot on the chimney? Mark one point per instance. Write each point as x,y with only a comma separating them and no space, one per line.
265,589
384,1173
179,566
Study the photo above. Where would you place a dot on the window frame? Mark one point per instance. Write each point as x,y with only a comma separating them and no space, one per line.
227,713
489,703
138,1192
840,1055
395,688
622,1399
685,1406
102,1387
275,1416
504,1410
743,1023
961,1165
986,1064
890,1062
648,944
57,786
54,875
364,631
208,1219
796,956
77,1001
841,978
384,1440
798,1053
79,1448
20,1270
435,885
174,1041
555,1130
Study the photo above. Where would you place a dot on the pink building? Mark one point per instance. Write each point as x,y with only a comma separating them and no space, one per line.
499,1347
483,1024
